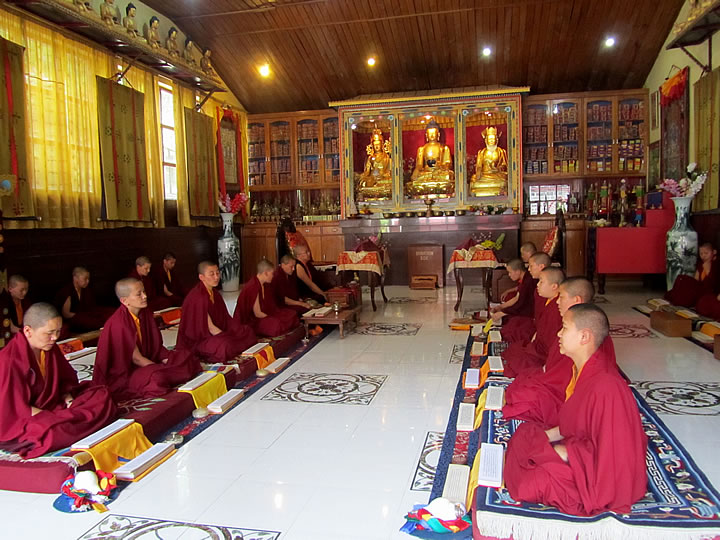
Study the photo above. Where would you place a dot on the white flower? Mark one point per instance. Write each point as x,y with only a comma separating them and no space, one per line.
691,167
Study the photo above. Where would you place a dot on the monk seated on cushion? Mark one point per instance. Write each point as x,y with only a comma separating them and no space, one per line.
593,461
687,290
256,305
14,302
285,286
522,304
206,327
537,395
42,405
131,359
527,250
522,357
141,272
77,305
520,329
167,284
308,276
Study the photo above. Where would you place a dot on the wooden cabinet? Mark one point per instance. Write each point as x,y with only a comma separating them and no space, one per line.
585,134
534,230
294,151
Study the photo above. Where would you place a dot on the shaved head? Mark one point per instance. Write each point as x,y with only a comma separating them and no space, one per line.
300,249
516,264
592,318
286,259
79,271
142,260
264,265
581,287
124,287
169,255
529,248
541,258
203,266
17,279
553,275
39,314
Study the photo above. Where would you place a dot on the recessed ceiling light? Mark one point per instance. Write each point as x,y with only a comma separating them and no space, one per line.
371,61
264,70
487,51
610,41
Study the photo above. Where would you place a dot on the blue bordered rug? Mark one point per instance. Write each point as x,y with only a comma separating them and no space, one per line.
681,504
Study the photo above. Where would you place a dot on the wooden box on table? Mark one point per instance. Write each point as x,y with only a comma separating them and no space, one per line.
670,324
349,295
426,260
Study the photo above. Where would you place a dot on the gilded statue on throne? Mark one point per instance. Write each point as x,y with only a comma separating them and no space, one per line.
433,174
109,13
491,168
375,182
129,20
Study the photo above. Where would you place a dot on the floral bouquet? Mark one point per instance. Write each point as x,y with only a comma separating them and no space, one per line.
234,205
689,186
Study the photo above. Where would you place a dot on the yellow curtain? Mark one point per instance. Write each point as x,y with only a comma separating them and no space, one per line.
707,137
62,126
201,163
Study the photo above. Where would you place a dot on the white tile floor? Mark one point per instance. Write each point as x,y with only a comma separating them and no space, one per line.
336,471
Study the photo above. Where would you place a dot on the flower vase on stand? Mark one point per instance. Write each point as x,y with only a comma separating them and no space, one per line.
228,247
682,243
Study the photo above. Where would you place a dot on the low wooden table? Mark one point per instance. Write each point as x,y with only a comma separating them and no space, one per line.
339,318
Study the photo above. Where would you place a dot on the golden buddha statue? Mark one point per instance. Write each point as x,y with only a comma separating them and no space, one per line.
375,182
433,174
491,169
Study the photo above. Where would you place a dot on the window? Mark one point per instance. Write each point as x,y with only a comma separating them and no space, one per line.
167,128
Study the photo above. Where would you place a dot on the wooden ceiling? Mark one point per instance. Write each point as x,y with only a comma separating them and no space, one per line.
317,49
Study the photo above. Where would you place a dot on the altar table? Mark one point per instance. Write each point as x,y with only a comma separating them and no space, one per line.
372,262
475,257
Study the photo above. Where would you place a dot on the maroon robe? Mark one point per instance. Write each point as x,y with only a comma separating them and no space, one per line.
88,315
520,358
278,321
525,305
155,301
161,281
709,306
22,386
114,366
303,289
285,286
520,329
7,303
687,291
537,396
194,334
606,445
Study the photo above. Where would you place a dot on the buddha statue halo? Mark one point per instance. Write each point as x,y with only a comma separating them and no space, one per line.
491,167
375,182
433,175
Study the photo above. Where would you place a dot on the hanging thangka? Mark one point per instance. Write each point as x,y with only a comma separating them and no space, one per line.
201,169
15,193
675,125
121,120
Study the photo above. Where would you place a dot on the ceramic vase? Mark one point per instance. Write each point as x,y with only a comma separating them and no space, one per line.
682,243
228,247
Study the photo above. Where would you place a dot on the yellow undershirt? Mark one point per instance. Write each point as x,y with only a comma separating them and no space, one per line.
210,292
42,364
19,312
136,320
570,390
169,276
547,301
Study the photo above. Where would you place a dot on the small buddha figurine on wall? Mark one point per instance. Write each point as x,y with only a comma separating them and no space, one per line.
109,13
205,64
375,182
153,34
129,20
433,174
189,52
82,5
491,168
171,42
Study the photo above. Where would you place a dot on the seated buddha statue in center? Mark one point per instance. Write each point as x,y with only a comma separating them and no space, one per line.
375,182
491,169
433,174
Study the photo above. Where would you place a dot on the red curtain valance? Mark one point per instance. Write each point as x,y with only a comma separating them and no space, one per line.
674,88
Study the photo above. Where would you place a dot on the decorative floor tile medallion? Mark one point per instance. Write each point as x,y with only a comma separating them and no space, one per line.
117,527
675,397
345,388
631,331
425,471
388,329
458,354
408,300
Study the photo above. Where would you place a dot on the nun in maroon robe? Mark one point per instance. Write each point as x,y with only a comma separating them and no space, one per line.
688,290
537,396
156,301
277,321
24,384
167,279
605,442
527,357
14,308
87,315
285,287
194,333
114,366
523,309
520,329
